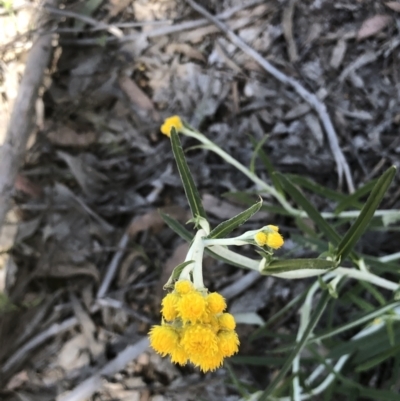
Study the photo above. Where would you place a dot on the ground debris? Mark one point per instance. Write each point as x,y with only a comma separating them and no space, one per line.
97,170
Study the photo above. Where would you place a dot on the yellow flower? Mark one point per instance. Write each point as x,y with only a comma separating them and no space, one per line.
227,322
163,339
209,362
183,286
170,122
191,307
199,341
179,356
275,228
272,239
169,306
228,343
215,303
197,331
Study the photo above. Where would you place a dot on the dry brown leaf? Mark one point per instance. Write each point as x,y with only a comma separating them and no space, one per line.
25,185
17,380
338,54
73,354
185,49
373,25
136,95
393,5
116,6
65,136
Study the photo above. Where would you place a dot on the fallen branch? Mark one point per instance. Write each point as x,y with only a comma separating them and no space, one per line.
310,98
22,118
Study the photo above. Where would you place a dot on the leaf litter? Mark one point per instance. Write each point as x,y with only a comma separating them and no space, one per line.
99,168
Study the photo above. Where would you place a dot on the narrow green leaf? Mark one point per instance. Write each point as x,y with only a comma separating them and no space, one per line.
257,360
189,186
287,265
312,212
175,274
360,225
260,332
372,393
316,315
353,199
368,317
177,227
316,188
223,229
267,163
378,359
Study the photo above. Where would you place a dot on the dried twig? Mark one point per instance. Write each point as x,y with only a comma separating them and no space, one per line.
170,29
115,261
84,390
113,30
21,121
53,330
310,98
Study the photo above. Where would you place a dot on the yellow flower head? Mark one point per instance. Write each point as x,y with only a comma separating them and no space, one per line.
227,322
197,330
179,356
191,307
163,339
170,122
168,310
272,239
183,286
215,303
209,362
228,343
199,341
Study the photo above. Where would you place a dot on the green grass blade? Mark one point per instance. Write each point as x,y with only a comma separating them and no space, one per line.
260,332
316,188
299,346
287,265
223,229
267,163
312,212
365,318
177,227
353,199
176,273
189,186
360,225
378,359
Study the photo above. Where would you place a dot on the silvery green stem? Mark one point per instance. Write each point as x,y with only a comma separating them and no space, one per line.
366,276
195,253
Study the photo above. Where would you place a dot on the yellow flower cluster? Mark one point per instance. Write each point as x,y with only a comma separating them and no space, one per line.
195,328
272,238
170,122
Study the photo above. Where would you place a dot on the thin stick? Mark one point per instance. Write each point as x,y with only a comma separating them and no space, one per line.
94,383
310,98
22,117
113,266
113,30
